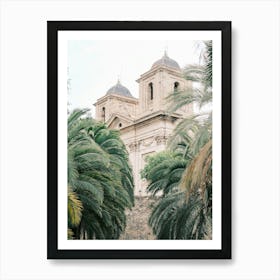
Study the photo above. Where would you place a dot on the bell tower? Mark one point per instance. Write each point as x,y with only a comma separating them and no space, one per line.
118,99
164,77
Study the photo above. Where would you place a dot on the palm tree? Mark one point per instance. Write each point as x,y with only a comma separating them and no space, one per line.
185,211
100,178
164,171
197,177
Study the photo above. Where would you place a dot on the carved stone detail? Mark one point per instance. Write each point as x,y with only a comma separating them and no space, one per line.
134,146
161,139
147,142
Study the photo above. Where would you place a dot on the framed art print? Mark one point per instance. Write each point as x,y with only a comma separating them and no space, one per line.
139,140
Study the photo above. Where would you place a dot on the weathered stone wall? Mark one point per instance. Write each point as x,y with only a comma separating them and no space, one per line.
137,220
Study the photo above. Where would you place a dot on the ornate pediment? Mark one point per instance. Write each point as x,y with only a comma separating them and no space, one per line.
118,121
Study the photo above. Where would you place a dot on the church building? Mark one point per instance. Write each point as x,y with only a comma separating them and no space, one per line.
144,122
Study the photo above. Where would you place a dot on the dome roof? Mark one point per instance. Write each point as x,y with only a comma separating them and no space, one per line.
166,61
120,90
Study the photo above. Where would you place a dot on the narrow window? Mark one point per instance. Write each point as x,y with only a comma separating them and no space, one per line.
103,114
120,125
151,91
176,86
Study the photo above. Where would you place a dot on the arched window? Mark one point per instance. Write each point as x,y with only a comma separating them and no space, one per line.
120,125
103,114
176,86
151,91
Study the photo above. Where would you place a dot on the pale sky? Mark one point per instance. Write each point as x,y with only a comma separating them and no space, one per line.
95,66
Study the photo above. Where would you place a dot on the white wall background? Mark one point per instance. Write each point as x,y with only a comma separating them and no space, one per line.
255,140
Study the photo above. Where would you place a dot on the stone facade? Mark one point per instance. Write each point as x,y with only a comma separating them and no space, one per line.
144,122
137,225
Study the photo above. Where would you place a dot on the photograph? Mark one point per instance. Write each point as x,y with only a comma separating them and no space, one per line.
142,114
128,159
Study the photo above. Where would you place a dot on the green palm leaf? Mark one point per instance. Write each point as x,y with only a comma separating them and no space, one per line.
100,175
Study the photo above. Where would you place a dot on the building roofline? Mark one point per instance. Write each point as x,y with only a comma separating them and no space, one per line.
120,116
157,68
153,115
117,96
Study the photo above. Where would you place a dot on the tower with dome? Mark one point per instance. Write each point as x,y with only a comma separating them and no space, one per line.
144,122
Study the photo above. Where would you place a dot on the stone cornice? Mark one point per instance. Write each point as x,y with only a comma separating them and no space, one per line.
118,97
159,139
158,68
148,118
156,114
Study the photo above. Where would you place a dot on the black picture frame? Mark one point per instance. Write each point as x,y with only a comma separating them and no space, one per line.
52,89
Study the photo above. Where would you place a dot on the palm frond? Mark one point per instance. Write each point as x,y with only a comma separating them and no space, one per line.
75,208
100,175
198,174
